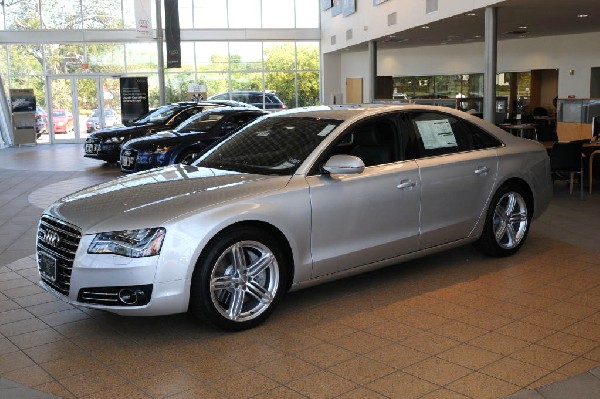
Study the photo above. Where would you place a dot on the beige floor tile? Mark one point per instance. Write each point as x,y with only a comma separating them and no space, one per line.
30,376
70,366
279,393
437,371
547,380
22,327
485,320
524,331
56,389
594,354
398,356
361,393
14,361
584,329
578,366
402,385
361,370
533,301
92,382
447,309
292,342
326,355
554,292
499,343
458,331
571,310
168,383
127,391
429,343
549,320
321,385
470,356
361,342
420,319
514,371
541,356
568,343
482,386
286,369
36,338
444,393
53,351
6,346
586,299
392,330
211,368
329,331
245,384
362,320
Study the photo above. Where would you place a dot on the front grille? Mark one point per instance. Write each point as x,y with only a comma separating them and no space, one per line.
58,240
128,159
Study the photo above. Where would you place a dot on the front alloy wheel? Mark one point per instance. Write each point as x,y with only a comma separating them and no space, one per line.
239,279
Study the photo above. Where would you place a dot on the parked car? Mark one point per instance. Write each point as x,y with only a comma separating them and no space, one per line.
62,120
110,119
41,121
105,144
293,199
187,141
271,101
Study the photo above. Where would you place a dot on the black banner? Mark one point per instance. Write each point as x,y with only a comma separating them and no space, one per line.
134,98
172,34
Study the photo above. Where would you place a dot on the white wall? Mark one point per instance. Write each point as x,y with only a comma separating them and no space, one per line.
578,53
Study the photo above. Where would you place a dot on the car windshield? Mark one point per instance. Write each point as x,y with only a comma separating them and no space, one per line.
276,145
202,122
159,115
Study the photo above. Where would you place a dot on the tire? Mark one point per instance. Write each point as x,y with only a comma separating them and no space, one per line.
188,157
507,222
239,279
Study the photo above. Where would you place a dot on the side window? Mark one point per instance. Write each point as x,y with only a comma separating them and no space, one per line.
482,139
440,134
185,115
373,141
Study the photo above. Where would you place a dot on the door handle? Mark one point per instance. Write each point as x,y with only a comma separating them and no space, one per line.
482,170
406,184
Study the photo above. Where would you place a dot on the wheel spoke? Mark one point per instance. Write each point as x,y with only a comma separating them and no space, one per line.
260,265
235,306
510,206
222,283
510,232
518,217
239,260
259,292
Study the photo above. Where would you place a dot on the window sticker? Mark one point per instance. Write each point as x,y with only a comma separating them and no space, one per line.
436,134
326,130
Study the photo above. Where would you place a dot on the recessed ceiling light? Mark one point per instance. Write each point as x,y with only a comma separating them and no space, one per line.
477,36
425,26
471,14
582,16
523,27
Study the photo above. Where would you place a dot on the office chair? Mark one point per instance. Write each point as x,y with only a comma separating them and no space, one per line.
567,158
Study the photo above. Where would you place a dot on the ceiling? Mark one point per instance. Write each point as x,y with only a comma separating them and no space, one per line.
516,19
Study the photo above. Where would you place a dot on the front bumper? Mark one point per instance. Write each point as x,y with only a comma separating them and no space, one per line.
134,161
98,150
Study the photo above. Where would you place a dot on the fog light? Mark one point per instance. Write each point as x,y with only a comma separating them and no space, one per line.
131,297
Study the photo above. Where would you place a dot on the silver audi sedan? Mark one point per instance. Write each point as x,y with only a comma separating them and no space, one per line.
296,198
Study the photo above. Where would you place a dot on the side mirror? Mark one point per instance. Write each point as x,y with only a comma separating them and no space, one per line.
344,165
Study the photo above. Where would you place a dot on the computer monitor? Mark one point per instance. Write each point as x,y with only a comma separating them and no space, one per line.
596,128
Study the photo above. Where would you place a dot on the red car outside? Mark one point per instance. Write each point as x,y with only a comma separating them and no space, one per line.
62,120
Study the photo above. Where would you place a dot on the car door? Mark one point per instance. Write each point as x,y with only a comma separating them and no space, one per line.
362,218
456,177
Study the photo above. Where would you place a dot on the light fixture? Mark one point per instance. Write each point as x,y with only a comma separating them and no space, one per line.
471,14
583,16
524,27
425,27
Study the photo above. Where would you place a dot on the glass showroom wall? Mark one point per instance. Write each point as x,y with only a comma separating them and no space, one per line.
287,64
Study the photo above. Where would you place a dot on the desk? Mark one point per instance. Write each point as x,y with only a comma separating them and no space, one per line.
520,128
595,147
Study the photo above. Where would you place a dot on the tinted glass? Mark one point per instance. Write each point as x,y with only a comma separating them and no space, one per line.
271,146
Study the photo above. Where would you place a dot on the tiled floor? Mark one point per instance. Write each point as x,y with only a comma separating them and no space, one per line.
454,325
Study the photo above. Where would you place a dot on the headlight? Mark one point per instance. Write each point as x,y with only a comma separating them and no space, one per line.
130,243
115,140
160,150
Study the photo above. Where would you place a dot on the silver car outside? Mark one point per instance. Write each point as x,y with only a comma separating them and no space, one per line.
226,242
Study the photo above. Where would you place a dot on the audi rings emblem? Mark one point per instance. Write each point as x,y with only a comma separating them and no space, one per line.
50,237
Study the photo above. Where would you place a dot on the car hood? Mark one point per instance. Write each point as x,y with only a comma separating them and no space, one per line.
119,131
169,137
152,198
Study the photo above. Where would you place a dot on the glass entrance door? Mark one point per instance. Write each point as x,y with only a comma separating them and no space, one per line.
80,105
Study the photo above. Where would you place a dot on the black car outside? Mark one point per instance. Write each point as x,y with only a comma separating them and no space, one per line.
264,100
187,141
106,144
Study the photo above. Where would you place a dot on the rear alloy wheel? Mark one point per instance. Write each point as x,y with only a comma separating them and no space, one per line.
507,223
239,280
